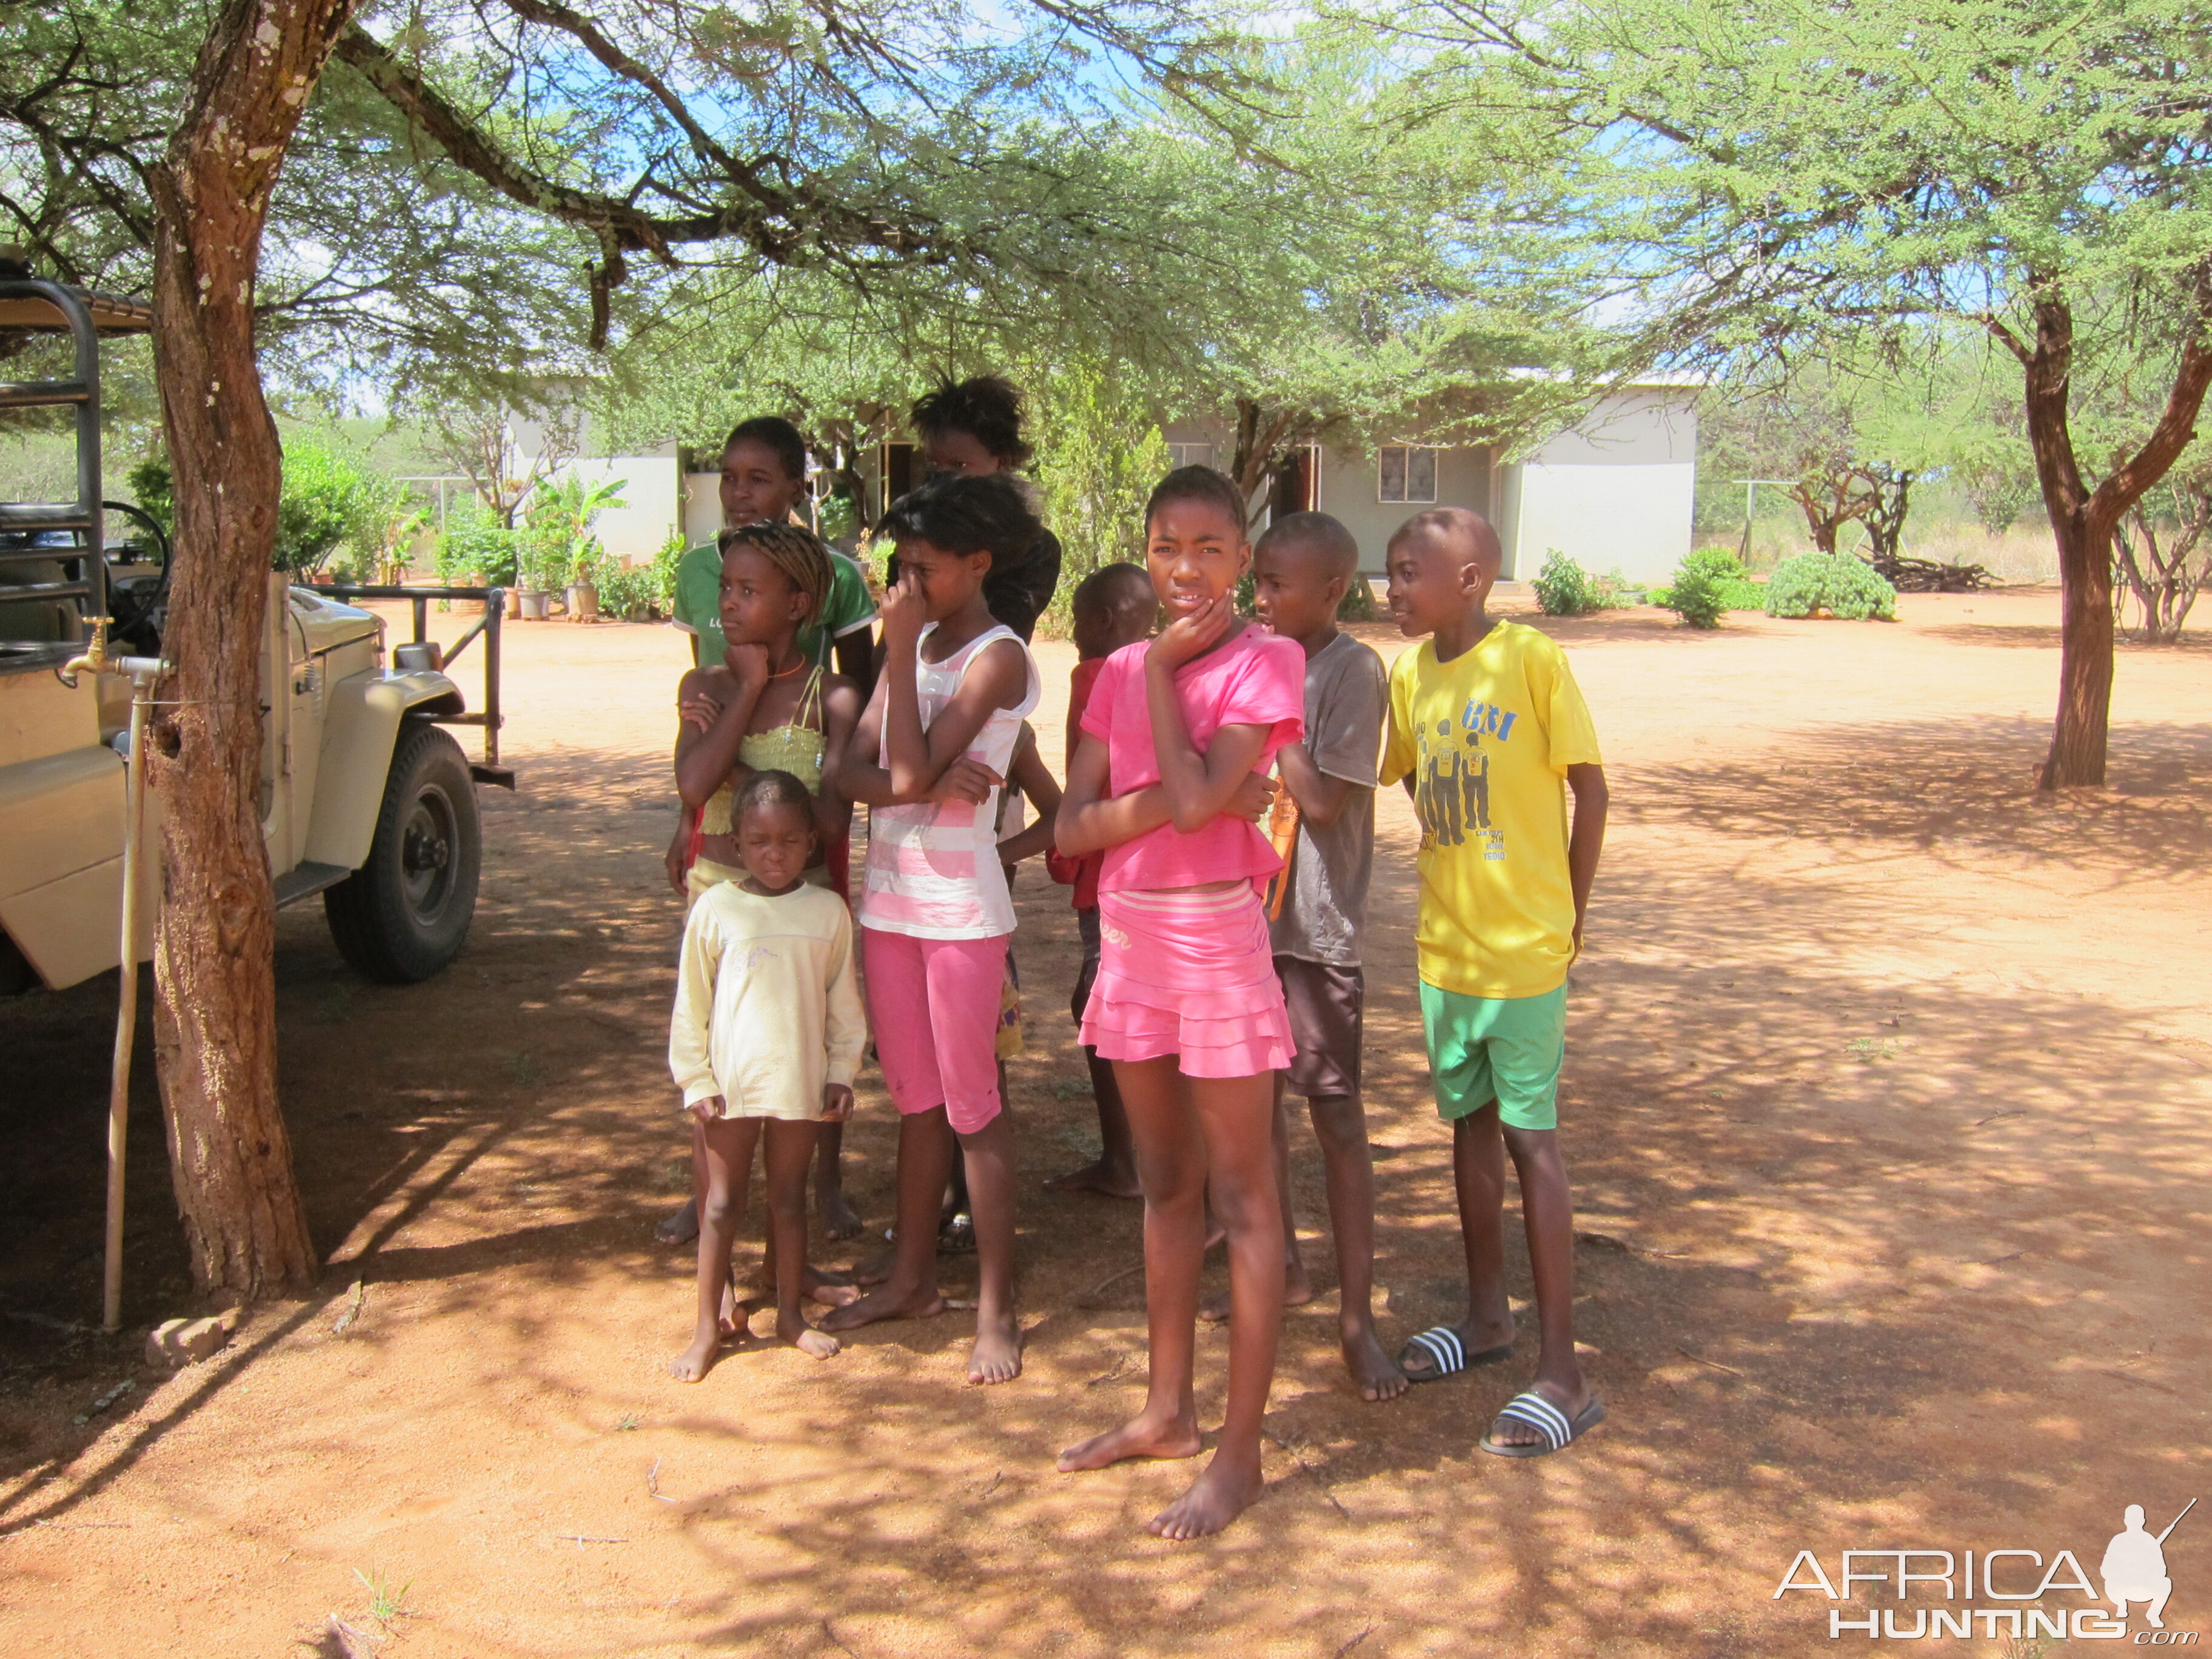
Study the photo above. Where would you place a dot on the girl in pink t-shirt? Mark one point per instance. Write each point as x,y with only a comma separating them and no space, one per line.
1167,781
928,760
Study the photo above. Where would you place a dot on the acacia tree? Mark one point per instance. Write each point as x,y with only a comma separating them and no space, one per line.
214,963
2023,167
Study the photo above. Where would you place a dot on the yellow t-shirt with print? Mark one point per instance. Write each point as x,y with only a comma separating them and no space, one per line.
1487,738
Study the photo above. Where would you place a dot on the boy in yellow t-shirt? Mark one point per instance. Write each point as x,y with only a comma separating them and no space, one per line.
1485,721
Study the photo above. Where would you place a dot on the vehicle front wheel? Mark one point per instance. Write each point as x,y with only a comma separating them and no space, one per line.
404,913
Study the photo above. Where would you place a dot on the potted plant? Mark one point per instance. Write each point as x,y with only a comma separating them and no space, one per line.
561,519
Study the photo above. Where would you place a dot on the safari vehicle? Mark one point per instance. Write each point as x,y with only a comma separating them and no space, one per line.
365,800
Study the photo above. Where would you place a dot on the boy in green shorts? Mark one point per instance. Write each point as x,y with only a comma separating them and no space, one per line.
1486,720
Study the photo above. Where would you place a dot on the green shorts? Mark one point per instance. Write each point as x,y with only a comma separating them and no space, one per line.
1508,1050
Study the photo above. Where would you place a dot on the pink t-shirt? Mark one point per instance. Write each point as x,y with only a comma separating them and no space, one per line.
1257,679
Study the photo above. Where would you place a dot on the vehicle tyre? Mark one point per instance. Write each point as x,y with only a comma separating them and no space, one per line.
404,913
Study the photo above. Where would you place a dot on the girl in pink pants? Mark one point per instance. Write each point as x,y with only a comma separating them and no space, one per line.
929,761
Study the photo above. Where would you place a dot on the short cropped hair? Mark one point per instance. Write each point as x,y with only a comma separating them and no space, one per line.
772,432
986,407
1196,483
771,789
987,514
1109,587
1318,531
794,550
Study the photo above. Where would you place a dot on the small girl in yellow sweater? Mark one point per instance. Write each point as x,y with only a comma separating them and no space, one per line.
767,1031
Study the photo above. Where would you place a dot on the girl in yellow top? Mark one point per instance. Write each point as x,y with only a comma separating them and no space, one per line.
768,705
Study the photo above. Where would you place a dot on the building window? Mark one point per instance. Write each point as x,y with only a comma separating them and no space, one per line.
1406,472
1190,455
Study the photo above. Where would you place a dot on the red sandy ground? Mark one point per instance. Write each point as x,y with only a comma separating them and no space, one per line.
1885,1103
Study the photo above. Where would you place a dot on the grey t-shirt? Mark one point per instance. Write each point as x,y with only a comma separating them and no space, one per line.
1347,697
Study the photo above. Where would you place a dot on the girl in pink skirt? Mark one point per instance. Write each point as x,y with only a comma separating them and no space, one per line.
1167,779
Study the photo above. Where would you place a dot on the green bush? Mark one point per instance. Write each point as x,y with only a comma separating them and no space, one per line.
330,501
664,565
624,591
475,550
1707,583
1358,603
1564,588
1837,583
153,487
1697,596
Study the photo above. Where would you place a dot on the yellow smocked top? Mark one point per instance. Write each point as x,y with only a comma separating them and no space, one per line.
795,748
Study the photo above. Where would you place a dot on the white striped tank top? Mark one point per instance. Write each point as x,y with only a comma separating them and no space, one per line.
933,869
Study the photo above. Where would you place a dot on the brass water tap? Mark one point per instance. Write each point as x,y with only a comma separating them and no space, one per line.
95,659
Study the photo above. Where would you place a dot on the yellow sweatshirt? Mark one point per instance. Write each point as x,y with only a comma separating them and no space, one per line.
767,1008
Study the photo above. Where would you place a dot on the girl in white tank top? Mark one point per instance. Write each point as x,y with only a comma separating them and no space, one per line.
933,869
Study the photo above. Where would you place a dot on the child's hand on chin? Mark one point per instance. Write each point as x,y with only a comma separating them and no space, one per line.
1189,635
748,664
836,1102
903,611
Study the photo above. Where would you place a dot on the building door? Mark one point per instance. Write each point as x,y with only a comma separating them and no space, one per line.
902,472
1297,486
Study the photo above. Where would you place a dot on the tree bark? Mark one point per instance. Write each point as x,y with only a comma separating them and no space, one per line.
2084,521
1260,440
214,964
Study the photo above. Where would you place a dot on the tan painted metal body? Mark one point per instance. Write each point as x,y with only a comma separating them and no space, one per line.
331,716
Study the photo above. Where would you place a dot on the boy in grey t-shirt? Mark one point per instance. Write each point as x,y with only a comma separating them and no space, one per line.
1301,570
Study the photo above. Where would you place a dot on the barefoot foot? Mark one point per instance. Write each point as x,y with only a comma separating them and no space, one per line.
839,1219
695,1361
804,1338
997,1355
682,1227
827,1289
1377,1374
1140,1436
875,1268
1098,1176
886,1302
1215,1498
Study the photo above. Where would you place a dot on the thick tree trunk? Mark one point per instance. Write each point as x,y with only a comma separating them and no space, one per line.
214,965
2085,658
1260,440
2084,520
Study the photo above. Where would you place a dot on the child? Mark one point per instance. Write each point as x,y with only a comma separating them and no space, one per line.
765,482
1186,1005
1301,570
1113,606
973,428
766,1029
933,753
1484,721
766,704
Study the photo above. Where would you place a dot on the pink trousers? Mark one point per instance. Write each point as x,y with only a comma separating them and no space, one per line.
934,1006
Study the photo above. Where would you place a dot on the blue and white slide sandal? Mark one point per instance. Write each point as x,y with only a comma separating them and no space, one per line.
1447,1355
1541,1414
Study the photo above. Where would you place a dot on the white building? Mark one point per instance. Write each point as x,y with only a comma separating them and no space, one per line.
1613,492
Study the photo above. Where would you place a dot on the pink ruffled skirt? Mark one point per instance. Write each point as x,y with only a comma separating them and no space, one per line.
1191,974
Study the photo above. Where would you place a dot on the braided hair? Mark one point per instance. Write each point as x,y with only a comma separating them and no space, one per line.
797,552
